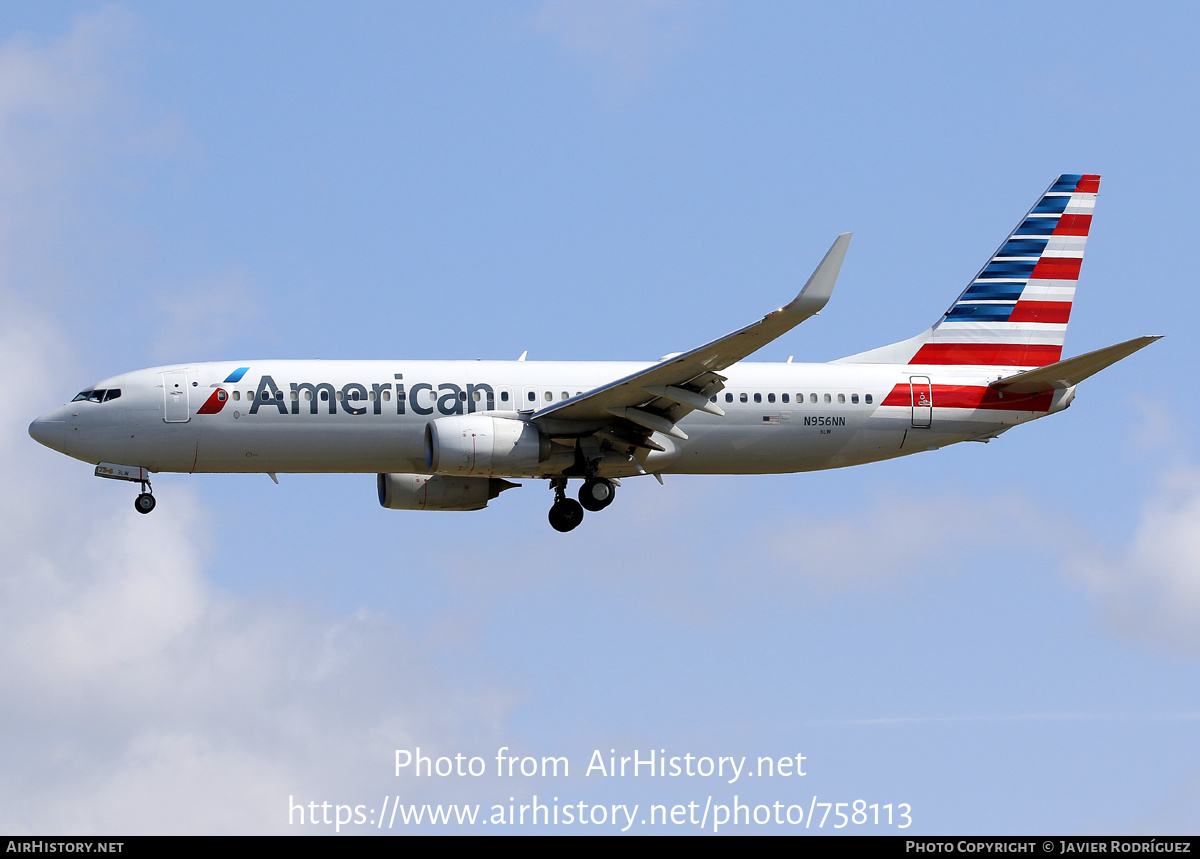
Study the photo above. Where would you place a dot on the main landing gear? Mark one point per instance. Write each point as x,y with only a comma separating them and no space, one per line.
566,514
596,494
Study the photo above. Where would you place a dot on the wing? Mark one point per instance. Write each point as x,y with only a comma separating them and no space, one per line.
655,399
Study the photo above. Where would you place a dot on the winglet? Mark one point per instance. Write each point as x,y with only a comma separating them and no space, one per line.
819,287
683,376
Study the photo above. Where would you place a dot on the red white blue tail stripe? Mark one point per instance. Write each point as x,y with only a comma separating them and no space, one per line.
1014,313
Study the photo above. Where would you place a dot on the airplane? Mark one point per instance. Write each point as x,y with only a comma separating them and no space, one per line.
453,435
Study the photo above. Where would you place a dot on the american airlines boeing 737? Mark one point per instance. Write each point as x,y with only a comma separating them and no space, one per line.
452,435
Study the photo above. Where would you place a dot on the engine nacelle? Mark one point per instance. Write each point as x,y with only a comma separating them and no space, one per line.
481,445
436,492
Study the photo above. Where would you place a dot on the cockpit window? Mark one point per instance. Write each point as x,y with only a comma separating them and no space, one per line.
101,395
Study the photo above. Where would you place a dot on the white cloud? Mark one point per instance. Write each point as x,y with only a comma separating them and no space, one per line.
902,535
57,104
206,317
51,97
1151,588
1159,430
719,546
137,697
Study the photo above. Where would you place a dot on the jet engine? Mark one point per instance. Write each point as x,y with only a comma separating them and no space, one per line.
481,445
437,492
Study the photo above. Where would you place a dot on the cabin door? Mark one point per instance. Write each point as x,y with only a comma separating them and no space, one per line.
922,401
175,398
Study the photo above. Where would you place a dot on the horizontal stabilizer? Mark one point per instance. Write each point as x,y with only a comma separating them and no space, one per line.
1064,374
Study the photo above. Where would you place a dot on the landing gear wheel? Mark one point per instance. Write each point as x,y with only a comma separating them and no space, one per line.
565,515
144,503
596,494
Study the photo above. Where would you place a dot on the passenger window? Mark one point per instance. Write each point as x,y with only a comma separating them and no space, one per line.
387,396
324,395
504,396
729,398
827,398
742,397
295,395
549,396
237,395
307,396
758,398
532,396
812,398
478,396
462,396
854,398
713,398
868,399
842,399
565,395
784,397
221,395
770,398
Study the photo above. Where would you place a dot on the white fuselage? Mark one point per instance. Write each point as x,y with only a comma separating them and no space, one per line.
370,416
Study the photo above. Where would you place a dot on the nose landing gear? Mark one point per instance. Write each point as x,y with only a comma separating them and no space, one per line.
144,503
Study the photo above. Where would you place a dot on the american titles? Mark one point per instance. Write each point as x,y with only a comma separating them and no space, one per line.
423,398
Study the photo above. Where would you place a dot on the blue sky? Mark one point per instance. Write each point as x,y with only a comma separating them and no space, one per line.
1002,636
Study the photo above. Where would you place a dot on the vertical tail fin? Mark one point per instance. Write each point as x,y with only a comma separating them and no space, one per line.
1014,312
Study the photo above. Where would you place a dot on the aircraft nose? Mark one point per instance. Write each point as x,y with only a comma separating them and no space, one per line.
51,430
